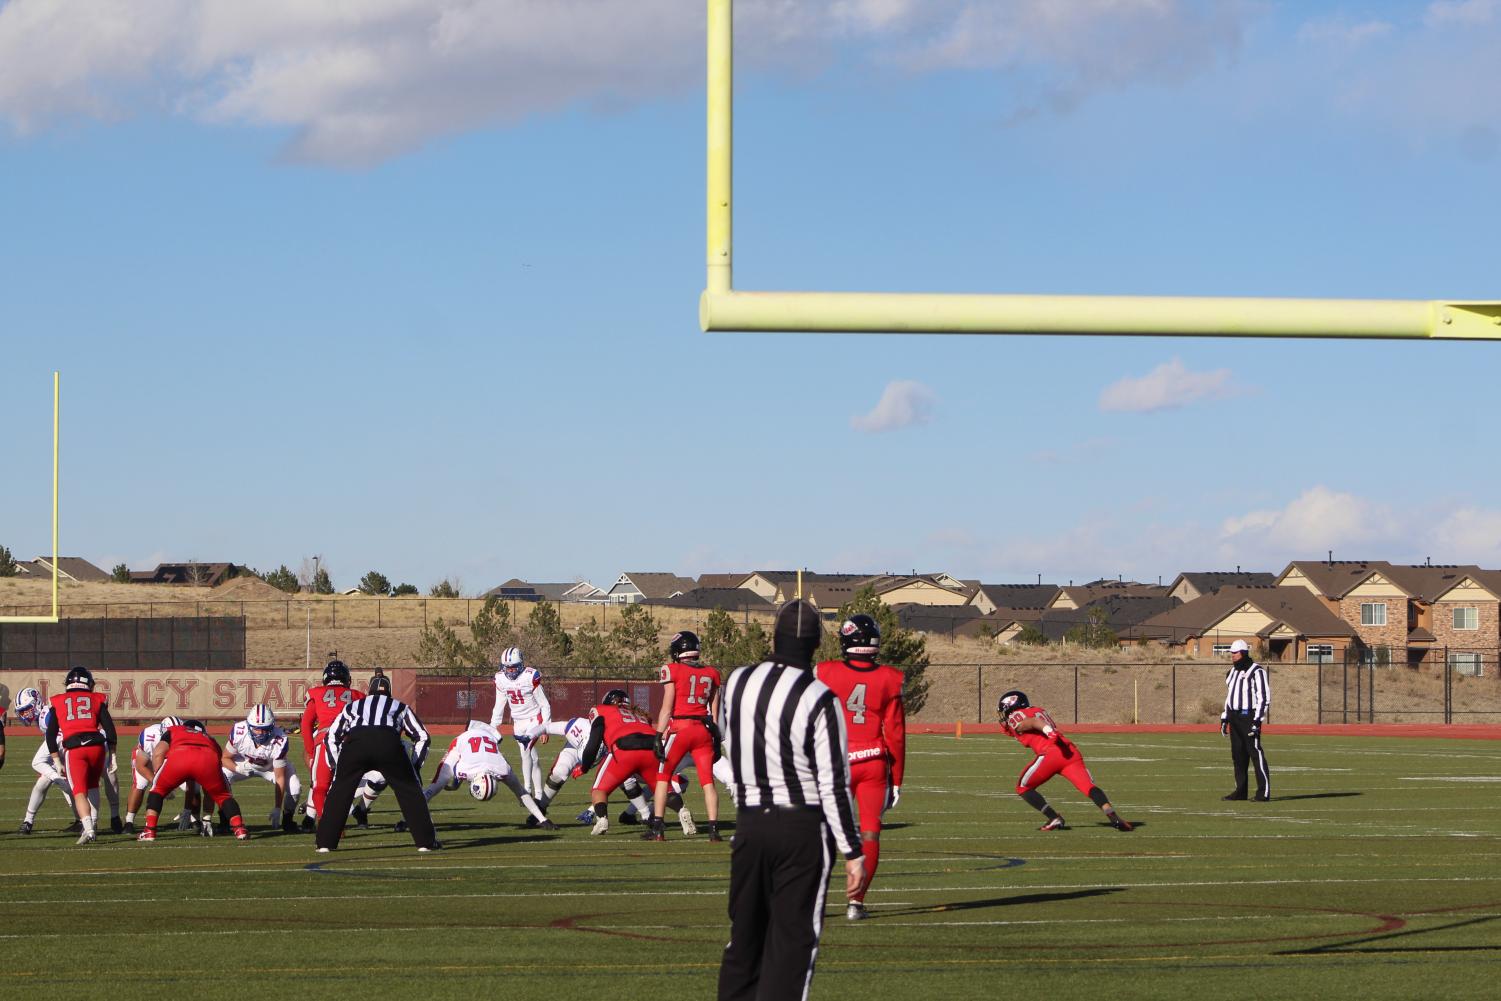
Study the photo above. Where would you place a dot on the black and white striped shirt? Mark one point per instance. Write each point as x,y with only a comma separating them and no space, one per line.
1247,690
382,711
788,746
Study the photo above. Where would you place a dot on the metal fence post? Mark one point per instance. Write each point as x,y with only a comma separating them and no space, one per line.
1175,692
1076,693
979,693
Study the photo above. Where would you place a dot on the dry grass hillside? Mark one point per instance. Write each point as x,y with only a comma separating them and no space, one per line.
967,675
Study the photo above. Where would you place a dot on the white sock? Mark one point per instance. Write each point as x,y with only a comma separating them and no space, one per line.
130,817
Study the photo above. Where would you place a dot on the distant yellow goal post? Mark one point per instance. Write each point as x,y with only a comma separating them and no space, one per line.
56,430
723,307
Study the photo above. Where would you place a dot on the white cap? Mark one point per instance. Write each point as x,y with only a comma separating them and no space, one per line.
1239,646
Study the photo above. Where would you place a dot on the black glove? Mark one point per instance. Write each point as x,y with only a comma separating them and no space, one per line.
1255,730
717,738
1224,727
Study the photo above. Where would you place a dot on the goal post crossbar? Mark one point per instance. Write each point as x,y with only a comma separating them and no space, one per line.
724,308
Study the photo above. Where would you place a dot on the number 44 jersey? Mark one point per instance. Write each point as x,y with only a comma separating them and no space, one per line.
871,695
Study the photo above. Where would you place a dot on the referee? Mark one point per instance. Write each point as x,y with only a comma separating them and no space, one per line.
1247,698
789,755
366,737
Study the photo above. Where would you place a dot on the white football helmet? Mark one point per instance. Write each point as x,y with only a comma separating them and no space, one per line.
168,722
260,720
510,662
28,706
483,787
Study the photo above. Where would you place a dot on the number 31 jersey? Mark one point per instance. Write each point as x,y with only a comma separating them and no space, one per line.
871,695
523,697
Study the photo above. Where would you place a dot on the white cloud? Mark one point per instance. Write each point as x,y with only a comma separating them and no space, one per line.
358,82
1167,387
1469,535
903,404
1465,13
1316,520
1340,29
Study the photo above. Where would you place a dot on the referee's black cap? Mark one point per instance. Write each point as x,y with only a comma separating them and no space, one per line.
798,632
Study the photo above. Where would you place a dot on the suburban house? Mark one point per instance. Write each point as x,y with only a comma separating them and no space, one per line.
730,599
1195,584
945,619
778,586
1078,596
924,589
1467,621
830,590
1390,606
721,579
1116,612
516,589
73,568
630,588
193,574
1280,623
989,597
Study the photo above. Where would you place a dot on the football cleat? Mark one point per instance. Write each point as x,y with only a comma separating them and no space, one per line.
361,816
530,821
147,835
324,851
1056,824
309,824
288,824
856,912
685,821
436,846
401,827
601,825
714,834
1234,797
74,828
547,825
116,825
25,827
629,818
206,828
1121,823
86,838
1261,799
129,828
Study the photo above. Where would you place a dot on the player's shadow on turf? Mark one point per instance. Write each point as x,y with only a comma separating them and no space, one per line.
1316,795
974,905
519,839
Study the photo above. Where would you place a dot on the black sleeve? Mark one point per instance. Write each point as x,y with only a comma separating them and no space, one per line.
107,722
2,733
52,733
591,749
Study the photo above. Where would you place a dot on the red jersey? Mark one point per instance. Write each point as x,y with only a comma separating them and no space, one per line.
78,715
621,721
694,686
324,703
874,715
1035,742
179,737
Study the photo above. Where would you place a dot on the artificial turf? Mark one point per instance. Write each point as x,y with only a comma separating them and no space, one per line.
1375,870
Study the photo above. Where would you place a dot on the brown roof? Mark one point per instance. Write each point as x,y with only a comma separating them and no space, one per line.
1295,606
1427,582
1488,579
1205,581
721,579
68,568
1019,595
1334,580
1083,594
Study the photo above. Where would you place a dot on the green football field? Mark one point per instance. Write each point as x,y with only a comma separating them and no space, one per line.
1376,871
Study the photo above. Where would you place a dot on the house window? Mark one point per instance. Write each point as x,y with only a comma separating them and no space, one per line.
1373,613
1466,663
1222,649
1321,653
1466,618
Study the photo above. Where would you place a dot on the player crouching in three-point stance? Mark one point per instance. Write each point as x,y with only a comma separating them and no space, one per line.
1055,754
81,731
143,770
474,757
876,720
187,752
575,733
626,734
257,748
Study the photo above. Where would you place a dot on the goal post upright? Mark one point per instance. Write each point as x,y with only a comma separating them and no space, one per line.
723,308
56,441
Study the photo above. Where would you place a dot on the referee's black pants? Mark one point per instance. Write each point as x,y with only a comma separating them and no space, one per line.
1245,751
779,877
374,749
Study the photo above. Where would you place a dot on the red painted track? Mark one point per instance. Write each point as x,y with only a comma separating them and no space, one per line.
1456,731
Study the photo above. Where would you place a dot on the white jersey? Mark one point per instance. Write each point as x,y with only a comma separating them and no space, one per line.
575,732
42,761
149,738
476,751
250,756
524,699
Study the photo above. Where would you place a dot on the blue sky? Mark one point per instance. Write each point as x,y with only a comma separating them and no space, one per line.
413,285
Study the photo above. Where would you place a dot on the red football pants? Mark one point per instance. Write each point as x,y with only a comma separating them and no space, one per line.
200,764
85,767
689,737
869,783
323,776
621,765
1052,762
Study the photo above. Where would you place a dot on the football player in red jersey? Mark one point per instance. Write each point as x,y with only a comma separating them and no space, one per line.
1056,754
81,731
187,753
876,721
324,703
690,704
630,742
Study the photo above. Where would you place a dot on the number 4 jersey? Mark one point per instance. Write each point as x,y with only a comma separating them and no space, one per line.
871,695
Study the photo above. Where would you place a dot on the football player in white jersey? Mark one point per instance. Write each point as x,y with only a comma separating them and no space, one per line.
518,690
575,734
474,757
144,771
32,710
258,748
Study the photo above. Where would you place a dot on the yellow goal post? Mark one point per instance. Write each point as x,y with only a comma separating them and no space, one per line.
723,307
56,428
